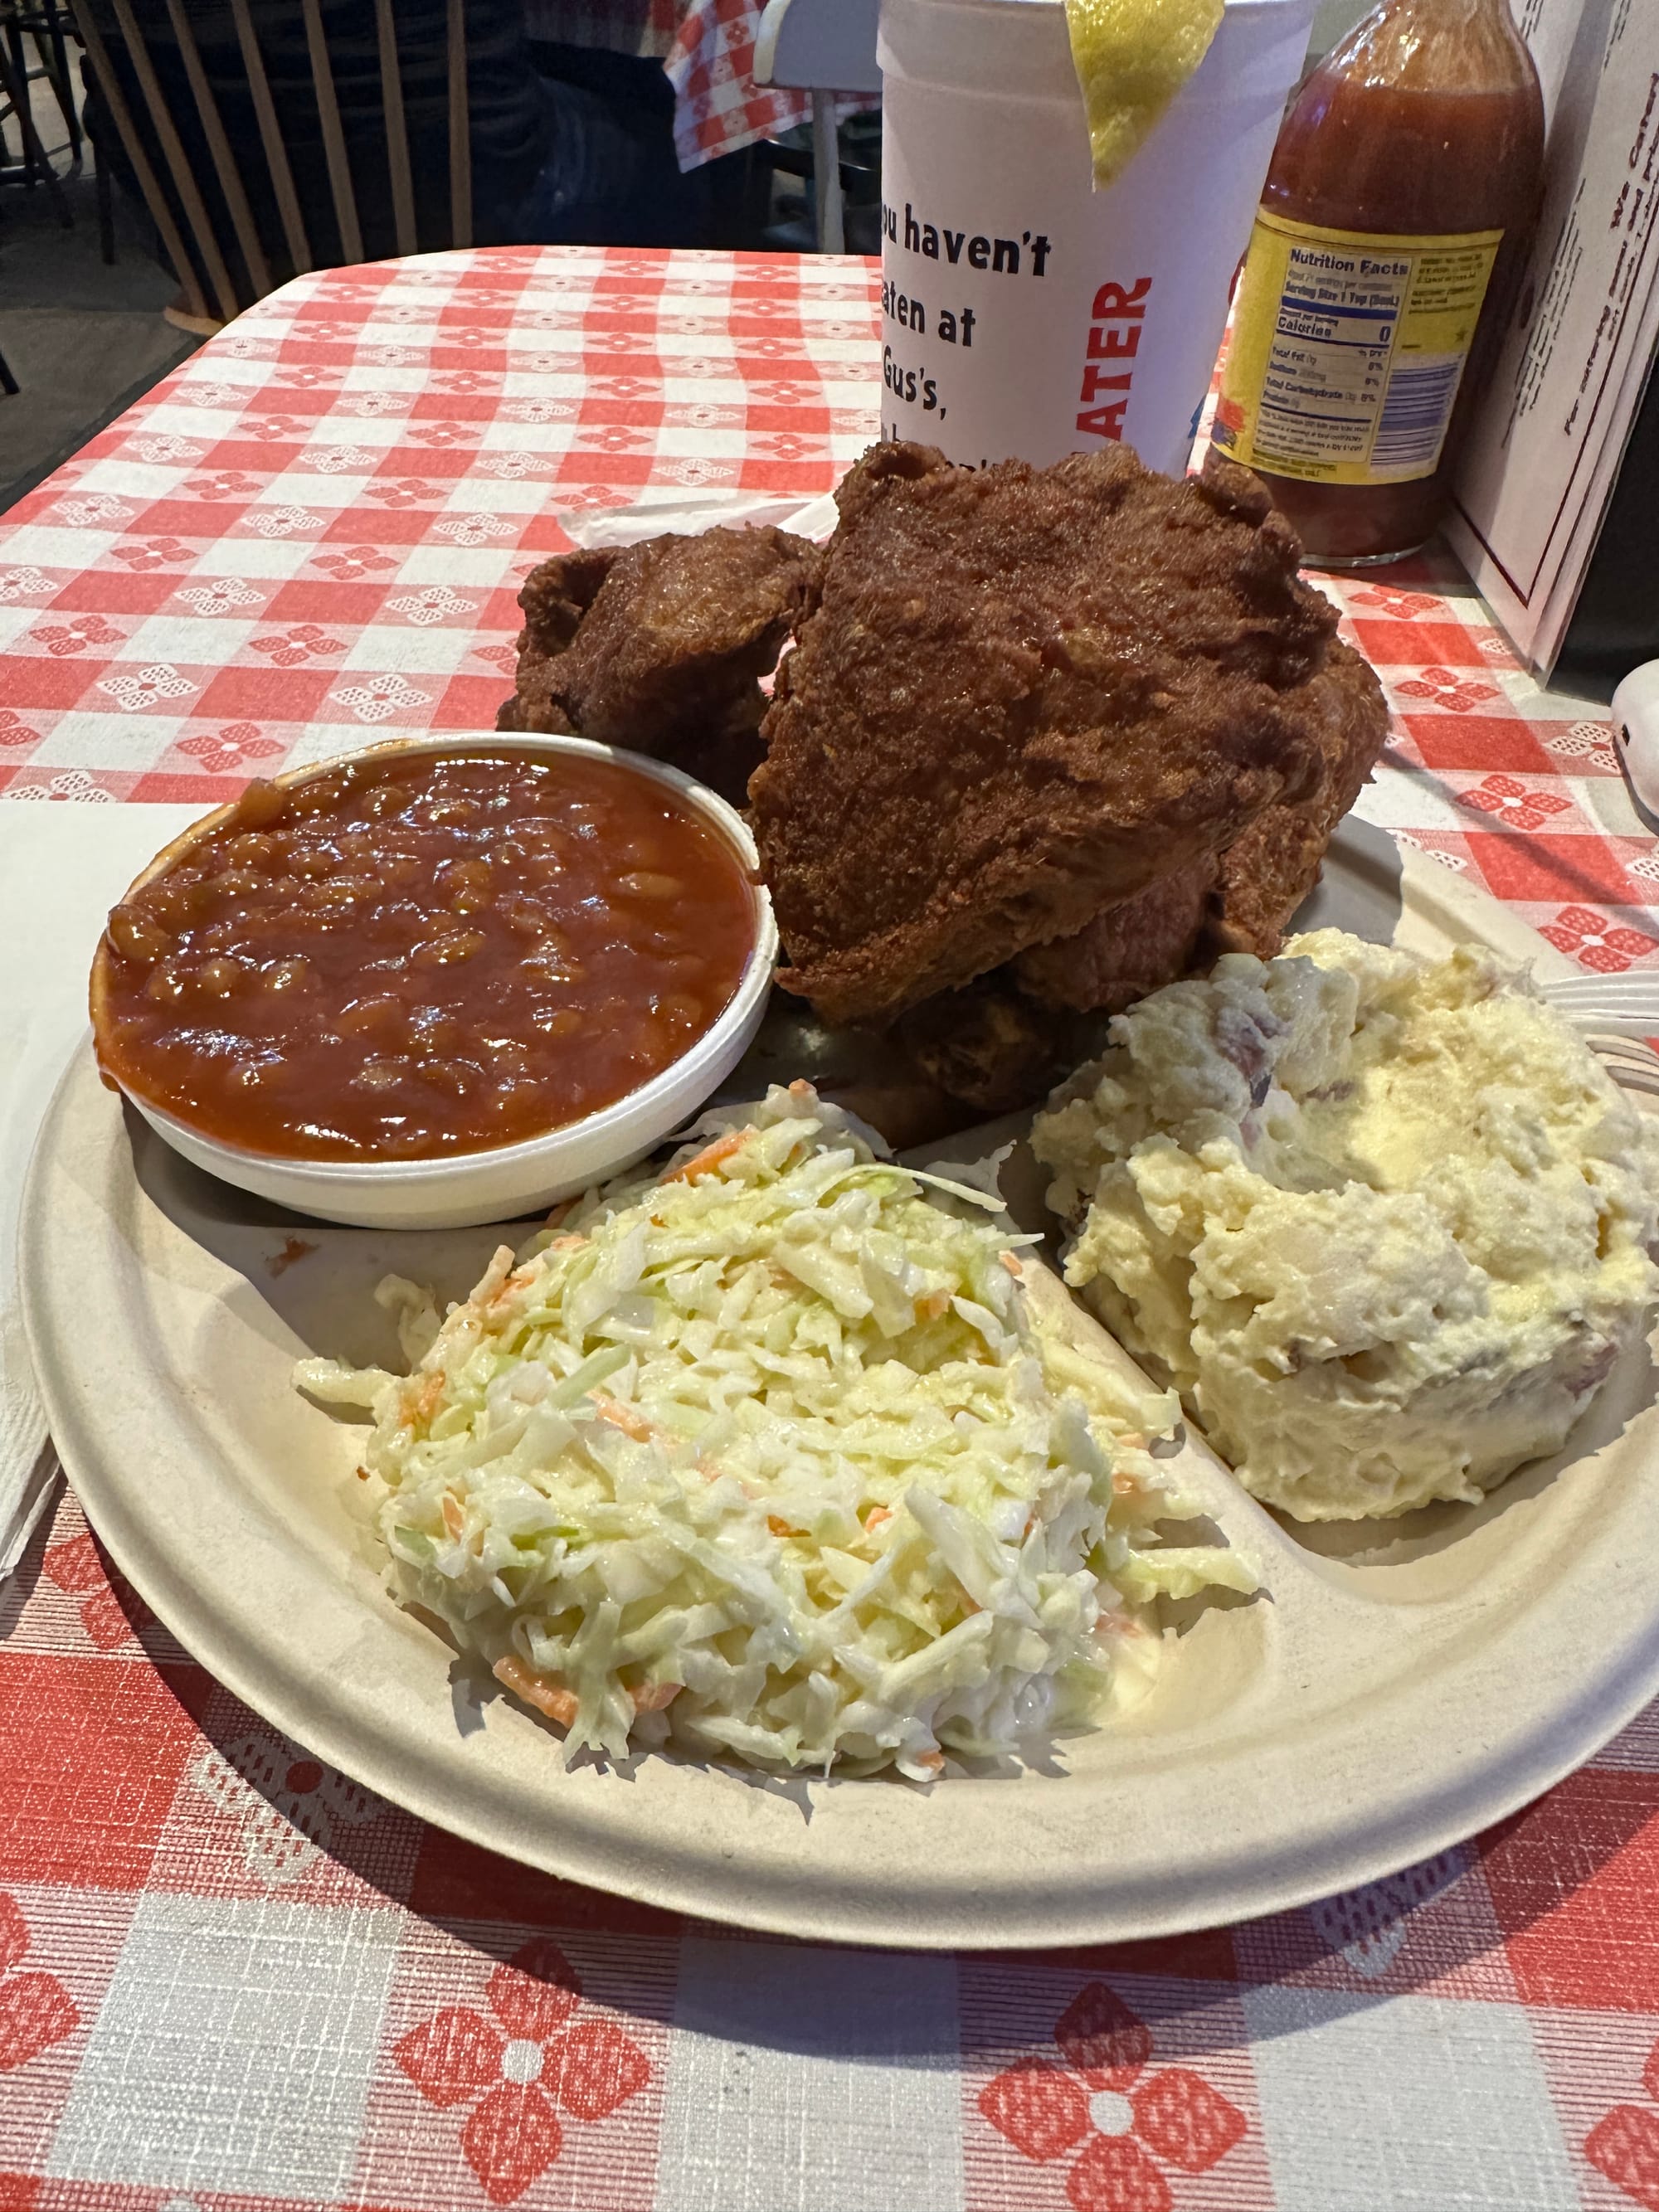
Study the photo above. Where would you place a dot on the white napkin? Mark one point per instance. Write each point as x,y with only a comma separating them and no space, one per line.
691,513
62,867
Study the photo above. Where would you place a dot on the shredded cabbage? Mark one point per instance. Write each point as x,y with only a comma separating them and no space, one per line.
763,1458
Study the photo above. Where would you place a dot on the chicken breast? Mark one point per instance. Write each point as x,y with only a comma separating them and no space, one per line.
1241,902
1019,697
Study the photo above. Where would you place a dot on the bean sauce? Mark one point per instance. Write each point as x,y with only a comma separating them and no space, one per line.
407,958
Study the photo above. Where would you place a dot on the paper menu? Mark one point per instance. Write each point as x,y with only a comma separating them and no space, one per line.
1545,448
1551,29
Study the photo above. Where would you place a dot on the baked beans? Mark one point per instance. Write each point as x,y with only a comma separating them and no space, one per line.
412,956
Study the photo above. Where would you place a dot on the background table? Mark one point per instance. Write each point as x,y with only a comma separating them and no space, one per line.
230,1979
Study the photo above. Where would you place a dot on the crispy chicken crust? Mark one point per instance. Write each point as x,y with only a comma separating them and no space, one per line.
1271,869
1019,697
1129,949
1239,902
660,646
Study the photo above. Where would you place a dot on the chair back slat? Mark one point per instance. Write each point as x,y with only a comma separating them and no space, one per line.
184,182
271,137
460,136
397,133
230,182
334,145
177,196
161,208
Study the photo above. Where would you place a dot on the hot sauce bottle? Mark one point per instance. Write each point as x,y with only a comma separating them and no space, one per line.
1391,225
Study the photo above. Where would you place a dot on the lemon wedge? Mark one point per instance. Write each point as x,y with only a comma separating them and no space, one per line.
1132,57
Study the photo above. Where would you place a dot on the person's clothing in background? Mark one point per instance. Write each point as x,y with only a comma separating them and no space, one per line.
511,116
643,29
612,176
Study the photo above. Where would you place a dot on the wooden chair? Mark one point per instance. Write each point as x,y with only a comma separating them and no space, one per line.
826,47
211,291
48,23
14,77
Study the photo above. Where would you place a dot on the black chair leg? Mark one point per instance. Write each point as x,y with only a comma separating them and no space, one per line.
8,383
105,199
62,86
19,98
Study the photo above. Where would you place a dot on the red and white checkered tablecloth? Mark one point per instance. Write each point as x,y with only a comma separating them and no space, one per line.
231,1980
718,106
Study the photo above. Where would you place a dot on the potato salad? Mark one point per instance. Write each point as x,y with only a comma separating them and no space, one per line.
1386,1224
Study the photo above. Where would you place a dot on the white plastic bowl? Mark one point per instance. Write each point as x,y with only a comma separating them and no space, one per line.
470,1187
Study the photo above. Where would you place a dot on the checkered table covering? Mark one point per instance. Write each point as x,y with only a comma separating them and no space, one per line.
232,1980
718,106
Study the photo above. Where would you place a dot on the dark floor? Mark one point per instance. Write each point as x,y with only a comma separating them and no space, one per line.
84,340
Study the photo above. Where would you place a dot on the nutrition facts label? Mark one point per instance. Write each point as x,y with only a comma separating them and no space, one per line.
1348,350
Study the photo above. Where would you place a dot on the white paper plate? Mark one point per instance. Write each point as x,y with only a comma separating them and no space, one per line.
1399,1687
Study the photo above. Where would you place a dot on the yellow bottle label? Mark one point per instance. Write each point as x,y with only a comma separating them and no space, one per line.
1348,349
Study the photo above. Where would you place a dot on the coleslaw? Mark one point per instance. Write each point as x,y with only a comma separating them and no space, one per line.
766,1457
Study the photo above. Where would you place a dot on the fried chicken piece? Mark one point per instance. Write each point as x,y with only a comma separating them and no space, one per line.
997,1044
555,597
660,646
1021,696
1271,869
988,1044
1130,948
1241,902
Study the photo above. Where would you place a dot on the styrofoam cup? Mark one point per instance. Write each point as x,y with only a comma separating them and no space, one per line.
1053,319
